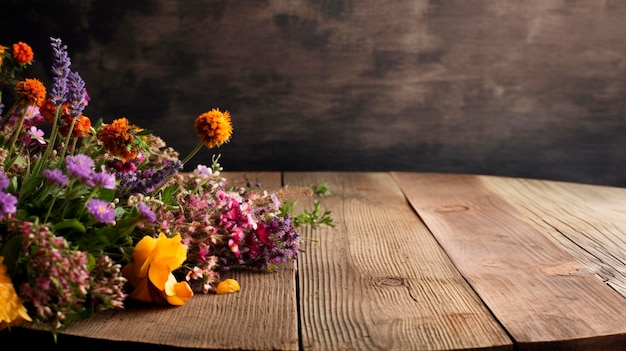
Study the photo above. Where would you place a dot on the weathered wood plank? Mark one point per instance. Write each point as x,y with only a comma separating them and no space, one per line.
379,280
538,292
262,316
588,221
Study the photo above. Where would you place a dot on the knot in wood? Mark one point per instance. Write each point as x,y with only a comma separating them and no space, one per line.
391,281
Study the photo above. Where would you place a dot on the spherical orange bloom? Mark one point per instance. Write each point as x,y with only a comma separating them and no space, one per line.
118,138
12,312
214,127
48,110
82,126
22,53
32,91
150,273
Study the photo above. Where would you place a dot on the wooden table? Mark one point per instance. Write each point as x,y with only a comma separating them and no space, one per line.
417,261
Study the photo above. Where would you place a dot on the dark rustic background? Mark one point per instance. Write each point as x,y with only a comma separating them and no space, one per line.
518,88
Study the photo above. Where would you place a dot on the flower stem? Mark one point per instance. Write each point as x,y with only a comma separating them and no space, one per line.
193,152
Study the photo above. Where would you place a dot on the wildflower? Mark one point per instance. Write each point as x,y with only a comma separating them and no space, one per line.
81,127
7,204
150,273
214,127
118,138
101,210
56,176
146,212
33,134
4,181
77,95
227,286
22,53
48,110
32,91
60,71
80,166
102,179
12,312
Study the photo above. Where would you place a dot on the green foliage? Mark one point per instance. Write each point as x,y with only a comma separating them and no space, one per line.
313,217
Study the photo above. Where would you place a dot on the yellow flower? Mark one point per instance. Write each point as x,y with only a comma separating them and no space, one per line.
227,286
214,128
150,273
12,312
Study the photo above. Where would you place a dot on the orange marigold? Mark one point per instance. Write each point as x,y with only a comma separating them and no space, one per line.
32,91
48,110
118,138
82,126
22,53
214,127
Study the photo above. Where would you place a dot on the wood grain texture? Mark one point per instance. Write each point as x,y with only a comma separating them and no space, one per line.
379,280
521,88
588,221
262,316
541,294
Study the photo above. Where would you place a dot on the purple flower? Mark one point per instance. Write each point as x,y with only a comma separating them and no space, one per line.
102,179
56,176
101,210
60,71
76,93
146,212
7,204
80,166
4,180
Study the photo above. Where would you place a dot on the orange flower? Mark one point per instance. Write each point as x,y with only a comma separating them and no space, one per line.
22,53
82,126
48,110
12,312
2,49
32,91
150,273
118,138
214,127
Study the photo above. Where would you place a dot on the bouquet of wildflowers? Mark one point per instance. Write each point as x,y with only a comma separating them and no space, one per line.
94,213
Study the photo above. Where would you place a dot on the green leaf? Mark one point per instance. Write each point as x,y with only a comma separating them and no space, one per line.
70,224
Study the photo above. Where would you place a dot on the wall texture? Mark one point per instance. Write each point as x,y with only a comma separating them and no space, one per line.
518,88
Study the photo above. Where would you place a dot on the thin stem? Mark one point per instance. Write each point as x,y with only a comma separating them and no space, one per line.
193,152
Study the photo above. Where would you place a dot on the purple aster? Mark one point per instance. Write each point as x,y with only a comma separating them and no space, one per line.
60,71
4,180
56,176
80,166
146,212
101,210
103,180
7,204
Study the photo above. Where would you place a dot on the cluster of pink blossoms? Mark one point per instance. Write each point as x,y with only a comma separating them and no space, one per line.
227,228
58,277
